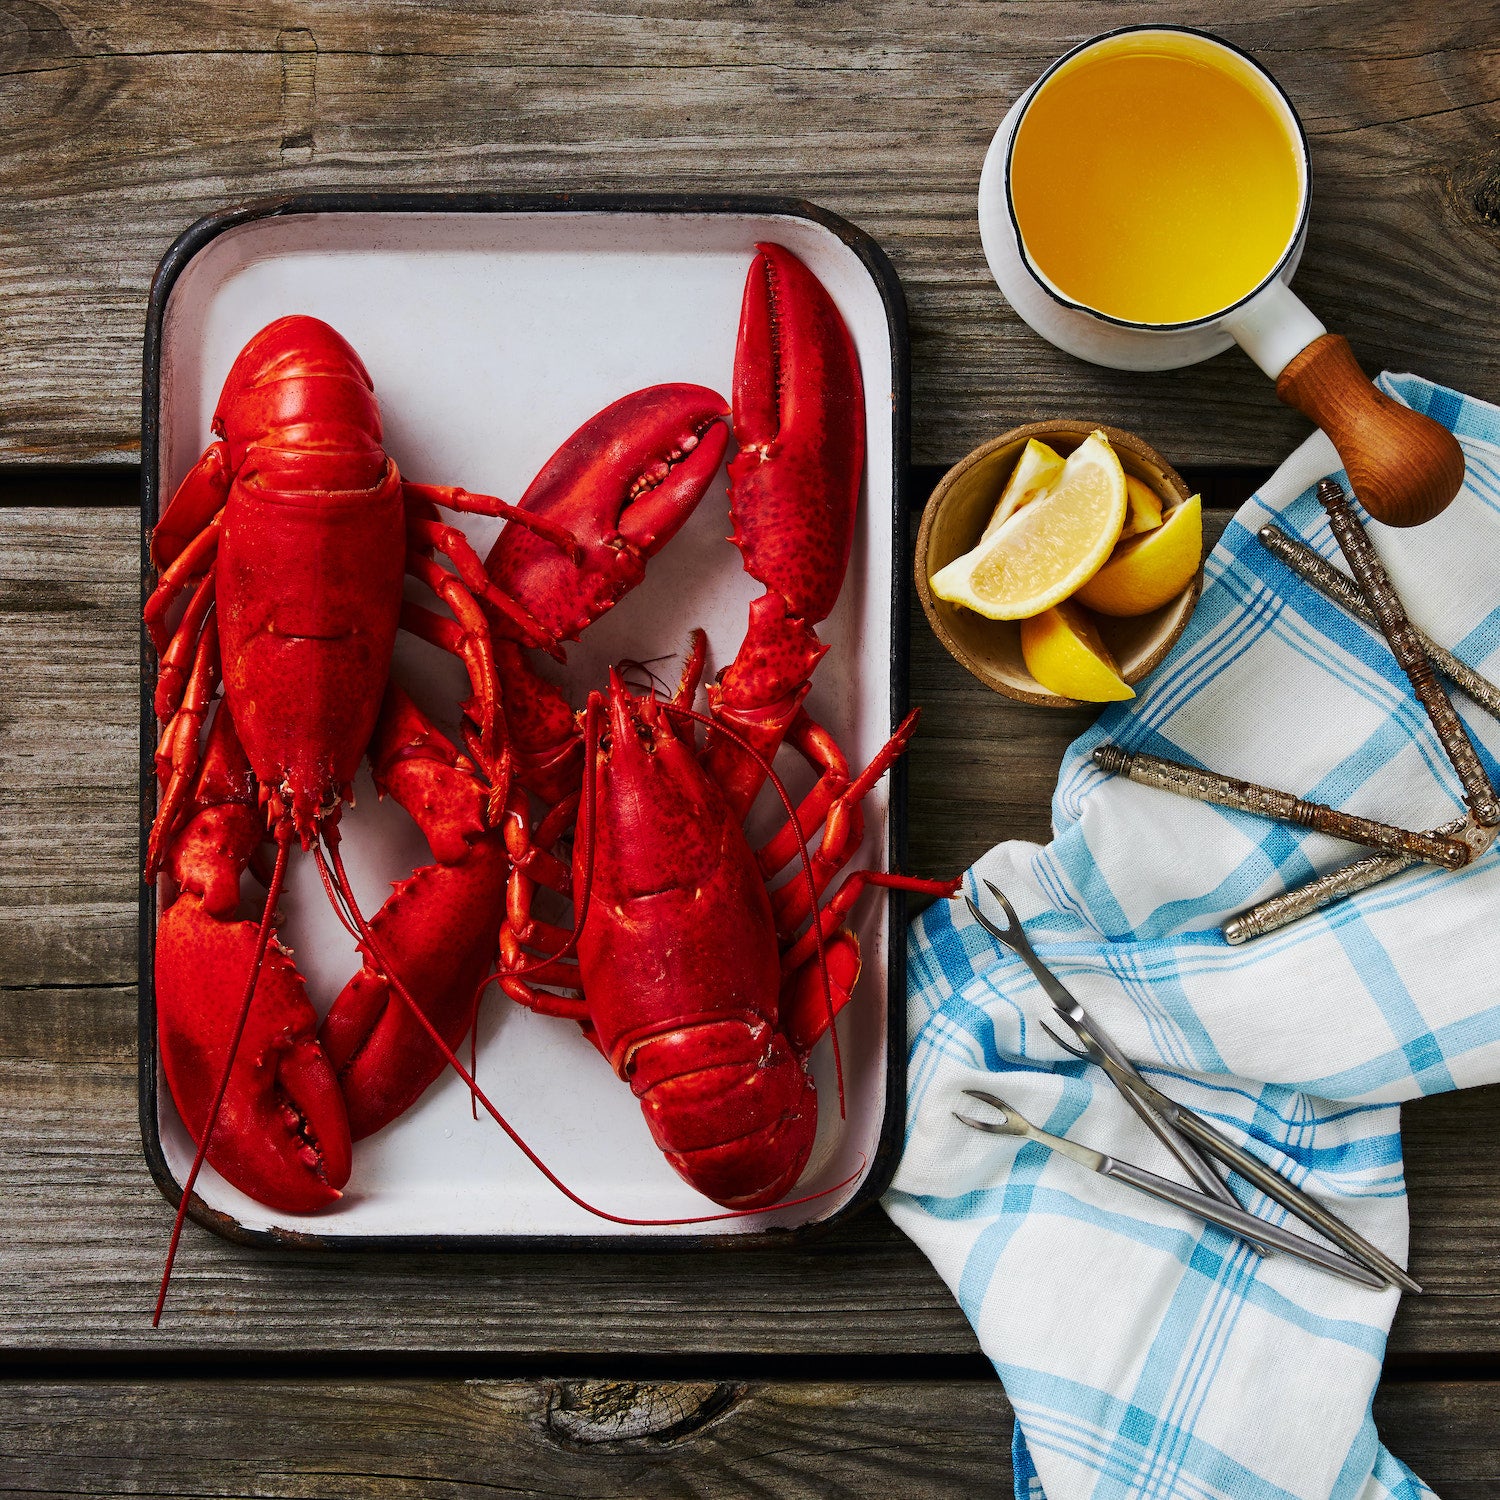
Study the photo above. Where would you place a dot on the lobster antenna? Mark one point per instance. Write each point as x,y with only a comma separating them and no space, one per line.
273,894
372,946
812,883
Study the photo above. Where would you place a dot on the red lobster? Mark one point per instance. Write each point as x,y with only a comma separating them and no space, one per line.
290,540
690,978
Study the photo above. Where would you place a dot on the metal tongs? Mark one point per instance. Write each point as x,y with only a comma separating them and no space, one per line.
1185,1134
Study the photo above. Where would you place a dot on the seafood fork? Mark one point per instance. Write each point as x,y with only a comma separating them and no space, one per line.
1190,1129
1236,1220
1096,1041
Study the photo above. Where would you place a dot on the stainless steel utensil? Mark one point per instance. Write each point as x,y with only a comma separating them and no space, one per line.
1187,1127
1186,1154
1271,1182
1235,1220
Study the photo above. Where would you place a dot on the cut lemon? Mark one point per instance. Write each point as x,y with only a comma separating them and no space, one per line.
1063,652
1144,513
1147,571
1047,548
1035,472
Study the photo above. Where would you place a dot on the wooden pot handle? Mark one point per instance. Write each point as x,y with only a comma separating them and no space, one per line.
1404,467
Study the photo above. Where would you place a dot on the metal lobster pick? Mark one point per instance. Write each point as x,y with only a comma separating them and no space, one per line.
1372,597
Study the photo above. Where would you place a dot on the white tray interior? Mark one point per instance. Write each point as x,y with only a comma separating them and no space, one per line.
490,338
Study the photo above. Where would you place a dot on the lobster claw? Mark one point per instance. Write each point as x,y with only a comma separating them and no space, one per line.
440,926
282,1134
793,494
623,484
799,422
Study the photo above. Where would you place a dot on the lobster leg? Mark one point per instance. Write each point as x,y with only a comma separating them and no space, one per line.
438,926
198,499
176,663
190,564
468,638
843,828
177,754
833,914
804,1014
424,535
821,751
454,498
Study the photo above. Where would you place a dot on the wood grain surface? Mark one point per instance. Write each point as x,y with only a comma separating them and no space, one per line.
123,124
844,1367
346,1439
84,1226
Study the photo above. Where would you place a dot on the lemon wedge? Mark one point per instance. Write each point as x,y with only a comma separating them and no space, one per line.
1147,571
1144,513
1062,650
1048,548
1035,472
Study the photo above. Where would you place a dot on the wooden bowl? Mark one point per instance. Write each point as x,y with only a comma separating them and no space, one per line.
955,516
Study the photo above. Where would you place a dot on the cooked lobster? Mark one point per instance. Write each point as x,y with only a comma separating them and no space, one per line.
691,977
283,558
287,547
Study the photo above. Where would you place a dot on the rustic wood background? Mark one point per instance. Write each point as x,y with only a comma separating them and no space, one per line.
842,1368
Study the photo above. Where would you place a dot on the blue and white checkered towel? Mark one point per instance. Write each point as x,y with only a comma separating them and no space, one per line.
1147,1354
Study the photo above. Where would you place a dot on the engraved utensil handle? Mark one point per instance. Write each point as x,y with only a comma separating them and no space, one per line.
1332,584
1337,885
1249,796
1369,572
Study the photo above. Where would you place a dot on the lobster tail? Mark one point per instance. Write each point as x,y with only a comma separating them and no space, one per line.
731,1106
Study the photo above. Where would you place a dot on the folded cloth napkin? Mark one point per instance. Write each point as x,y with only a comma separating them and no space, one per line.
1146,1353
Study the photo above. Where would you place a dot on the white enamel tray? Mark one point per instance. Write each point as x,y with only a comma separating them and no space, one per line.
492,327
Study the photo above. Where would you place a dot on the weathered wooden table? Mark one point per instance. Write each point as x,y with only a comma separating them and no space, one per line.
845,1368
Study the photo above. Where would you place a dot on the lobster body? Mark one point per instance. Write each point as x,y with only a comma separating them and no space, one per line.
292,537
679,947
309,591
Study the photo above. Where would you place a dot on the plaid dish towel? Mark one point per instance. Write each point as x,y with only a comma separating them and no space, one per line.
1145,1353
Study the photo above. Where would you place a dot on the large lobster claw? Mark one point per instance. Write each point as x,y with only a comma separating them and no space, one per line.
793,492
623,484
440,926
282,1135
799,420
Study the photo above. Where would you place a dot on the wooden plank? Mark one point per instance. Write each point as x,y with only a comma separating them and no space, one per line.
69,601
85,1220
343,1438
84,1216
887,125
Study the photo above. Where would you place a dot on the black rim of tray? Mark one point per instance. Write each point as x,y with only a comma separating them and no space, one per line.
182,252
